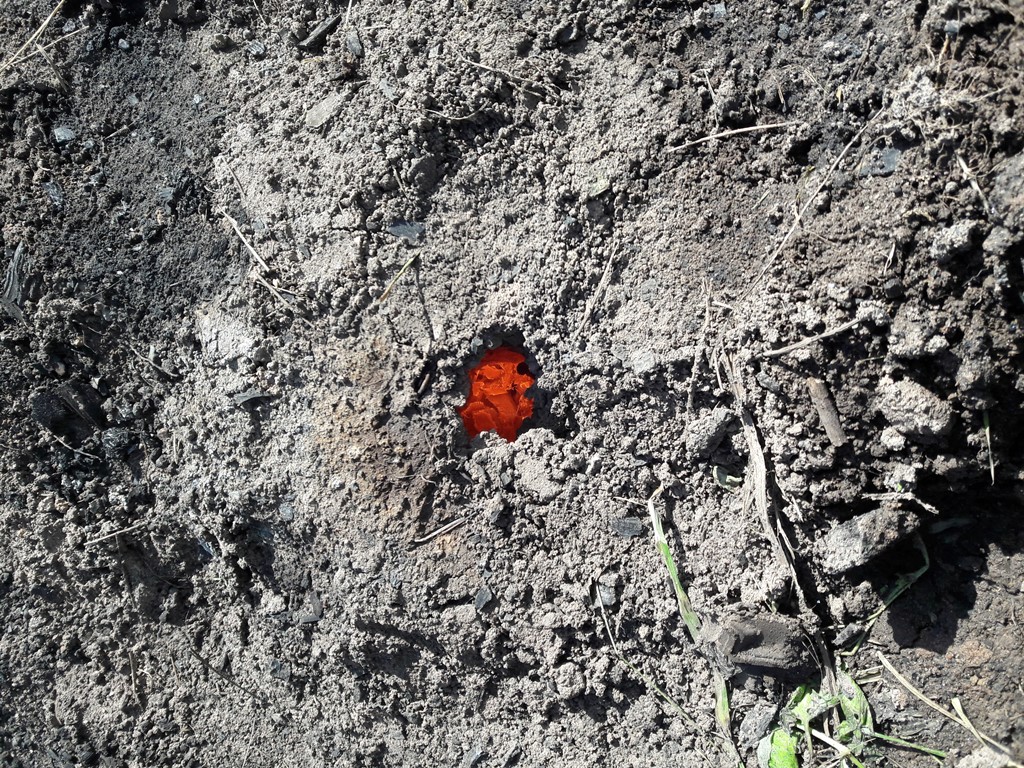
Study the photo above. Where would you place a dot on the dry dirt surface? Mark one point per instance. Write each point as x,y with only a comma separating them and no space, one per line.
764,260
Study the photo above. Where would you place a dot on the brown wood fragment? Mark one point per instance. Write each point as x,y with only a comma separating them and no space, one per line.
821,398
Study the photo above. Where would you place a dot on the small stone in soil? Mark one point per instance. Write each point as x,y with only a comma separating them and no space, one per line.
168,10
222,42
118,442
915,333
756,723
249,396
627,527
483,596
63,135
880,163
953,241
280,670
354,44
323,29
55,193
856,542
998,242
704,434
848,634
604,595
314,610
914,411
410,230
893,288
318,115
1007,192
473,756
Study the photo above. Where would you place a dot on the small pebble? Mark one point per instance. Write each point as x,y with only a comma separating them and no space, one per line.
953,241
627,527
63,135
473,757
354,44
915,412
604,595
483,596
893,288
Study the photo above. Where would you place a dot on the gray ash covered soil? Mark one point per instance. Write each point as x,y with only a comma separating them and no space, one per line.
216,464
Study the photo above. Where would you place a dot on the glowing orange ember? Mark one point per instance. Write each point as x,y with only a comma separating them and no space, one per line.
497,394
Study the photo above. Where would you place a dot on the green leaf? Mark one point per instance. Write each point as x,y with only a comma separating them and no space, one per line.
722,714
804,707
689,616
787,717
777,750
809,706
854,703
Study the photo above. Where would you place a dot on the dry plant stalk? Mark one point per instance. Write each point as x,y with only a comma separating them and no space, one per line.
960,718
823,403
826,180
811,339
733,132
16,57
755,488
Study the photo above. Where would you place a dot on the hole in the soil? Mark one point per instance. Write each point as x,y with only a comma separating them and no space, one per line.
497,398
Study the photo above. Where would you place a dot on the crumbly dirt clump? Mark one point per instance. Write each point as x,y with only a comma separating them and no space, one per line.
764,261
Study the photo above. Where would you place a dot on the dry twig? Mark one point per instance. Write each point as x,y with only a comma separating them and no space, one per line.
80,452
733,132
756,488
514,80
17,55
446,528
960,718
806,206
396,278
168,373
602,285
49,46
227,678
129,529
278,293
811,339
698,358
821,399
